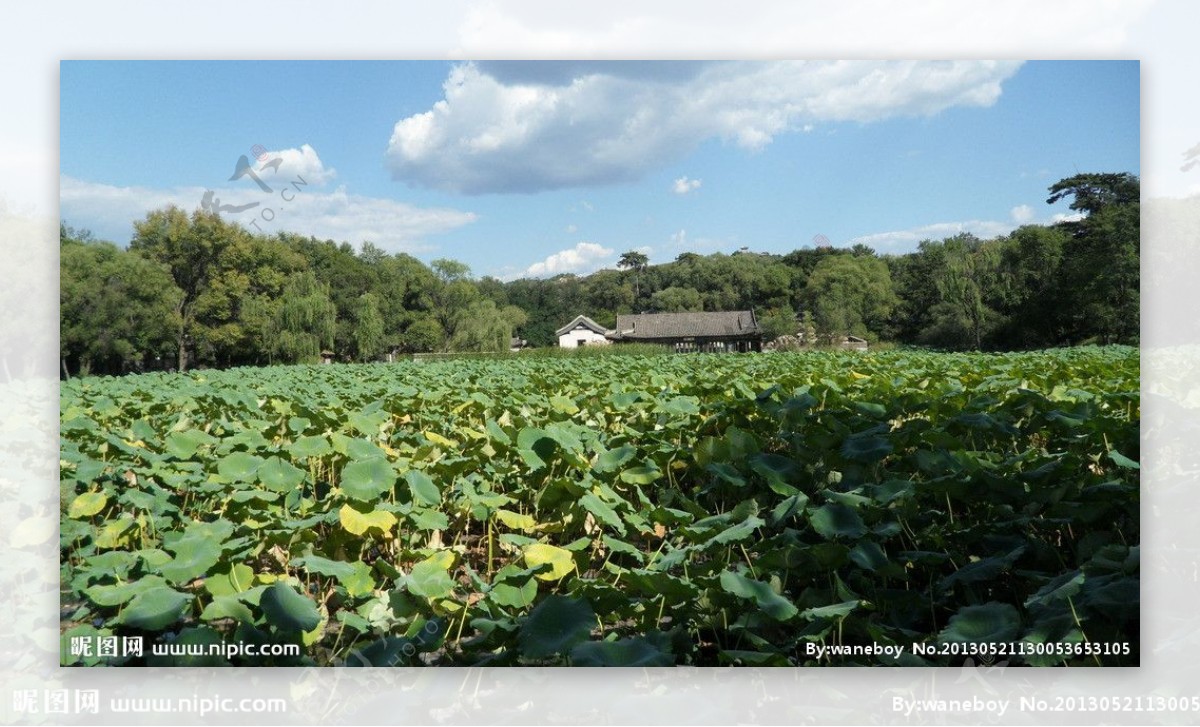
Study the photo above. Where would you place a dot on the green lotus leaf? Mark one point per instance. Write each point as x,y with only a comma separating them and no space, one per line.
554,626
287,610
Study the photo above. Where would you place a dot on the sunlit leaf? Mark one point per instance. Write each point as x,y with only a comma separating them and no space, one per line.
87,505
561,561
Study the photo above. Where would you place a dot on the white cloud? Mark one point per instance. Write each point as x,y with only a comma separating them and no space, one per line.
300,163
585,257
683,185
511,129
898,241
1022,214
683,242
109,212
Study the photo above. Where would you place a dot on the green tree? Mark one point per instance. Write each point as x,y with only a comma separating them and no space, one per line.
850,295
778,322
368,327
423,335
306,321
454,293
454,299
606,295
484,327
348,273
1102,262
968,273
675,299
406,292
1033,299
912,279
548,304
1093,192
116,309
231,317
450,270
808,328
189,247
637,262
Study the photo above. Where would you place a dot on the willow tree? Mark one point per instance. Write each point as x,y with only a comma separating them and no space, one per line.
368,327
305,322
970,271
484,327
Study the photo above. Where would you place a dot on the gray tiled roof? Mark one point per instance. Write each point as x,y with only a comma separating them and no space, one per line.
723,324
581,321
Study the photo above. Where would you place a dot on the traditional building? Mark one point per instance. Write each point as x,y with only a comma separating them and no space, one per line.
715,331
582,331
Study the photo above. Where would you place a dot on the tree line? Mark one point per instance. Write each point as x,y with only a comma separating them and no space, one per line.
196,290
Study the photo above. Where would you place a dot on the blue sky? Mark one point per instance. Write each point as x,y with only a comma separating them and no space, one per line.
535,168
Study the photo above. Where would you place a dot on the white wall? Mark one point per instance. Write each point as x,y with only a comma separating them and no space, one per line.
571,338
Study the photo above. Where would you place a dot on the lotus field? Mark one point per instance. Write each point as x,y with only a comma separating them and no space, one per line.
791,509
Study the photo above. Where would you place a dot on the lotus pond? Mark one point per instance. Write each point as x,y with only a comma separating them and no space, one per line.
758,509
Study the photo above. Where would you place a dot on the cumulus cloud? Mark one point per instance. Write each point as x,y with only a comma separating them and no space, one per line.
109,211
521,130
1022,214
303,163
585,257
683,185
